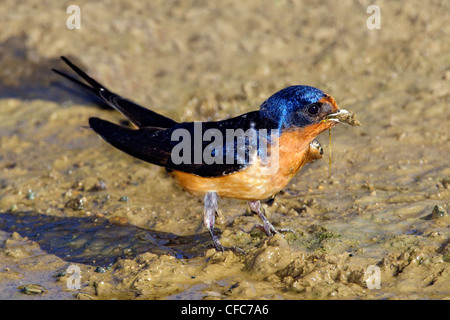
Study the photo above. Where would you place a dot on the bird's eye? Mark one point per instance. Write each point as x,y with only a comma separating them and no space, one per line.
313,109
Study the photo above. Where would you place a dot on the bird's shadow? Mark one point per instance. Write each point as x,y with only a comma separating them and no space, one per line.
97,241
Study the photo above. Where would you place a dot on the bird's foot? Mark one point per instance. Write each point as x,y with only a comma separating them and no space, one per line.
267,227
270,230
218,246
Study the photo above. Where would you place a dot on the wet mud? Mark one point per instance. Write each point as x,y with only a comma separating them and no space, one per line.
374,227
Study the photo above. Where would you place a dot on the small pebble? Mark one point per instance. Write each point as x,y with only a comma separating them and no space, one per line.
76,203
100,185
31,195
60,274
100,270
124,199
32,289
438,212
120,221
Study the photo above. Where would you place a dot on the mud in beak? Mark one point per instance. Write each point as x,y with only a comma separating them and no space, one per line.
343,116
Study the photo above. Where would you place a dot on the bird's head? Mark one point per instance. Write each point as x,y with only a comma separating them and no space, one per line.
303,106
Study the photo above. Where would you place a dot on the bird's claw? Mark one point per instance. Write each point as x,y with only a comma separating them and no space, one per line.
270,230
219,248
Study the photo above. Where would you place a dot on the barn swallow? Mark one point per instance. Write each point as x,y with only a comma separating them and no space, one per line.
295,116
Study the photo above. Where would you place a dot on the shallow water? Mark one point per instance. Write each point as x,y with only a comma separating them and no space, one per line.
67,198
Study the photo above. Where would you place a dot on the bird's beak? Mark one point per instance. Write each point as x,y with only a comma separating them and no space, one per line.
343,116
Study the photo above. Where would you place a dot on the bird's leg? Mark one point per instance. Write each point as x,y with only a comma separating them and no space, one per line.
268,228
255,206
209,219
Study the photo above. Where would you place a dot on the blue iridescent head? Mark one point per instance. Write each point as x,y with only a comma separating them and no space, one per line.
297,106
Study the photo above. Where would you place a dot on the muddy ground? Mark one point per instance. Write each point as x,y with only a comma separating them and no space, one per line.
376,228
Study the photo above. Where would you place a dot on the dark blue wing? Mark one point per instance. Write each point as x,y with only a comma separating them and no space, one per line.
184,147
178,146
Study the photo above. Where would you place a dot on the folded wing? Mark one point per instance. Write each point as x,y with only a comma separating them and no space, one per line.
153,141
